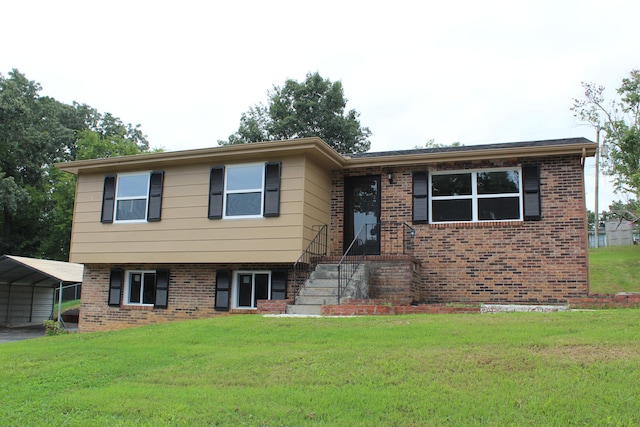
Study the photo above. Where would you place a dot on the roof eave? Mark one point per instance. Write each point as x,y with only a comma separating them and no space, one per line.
579,149
315,146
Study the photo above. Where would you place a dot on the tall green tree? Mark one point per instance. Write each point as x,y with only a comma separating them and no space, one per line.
31,137
36,199
314,107
619,120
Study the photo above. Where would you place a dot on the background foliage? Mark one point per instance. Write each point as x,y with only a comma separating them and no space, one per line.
619,120
36,199
314,107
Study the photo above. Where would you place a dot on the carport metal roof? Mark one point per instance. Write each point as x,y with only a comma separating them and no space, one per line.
16,270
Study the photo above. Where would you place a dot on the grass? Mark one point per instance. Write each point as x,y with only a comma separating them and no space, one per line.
575,368
67,305
614,269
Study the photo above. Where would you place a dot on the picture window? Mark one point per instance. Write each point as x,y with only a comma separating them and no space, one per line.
475,196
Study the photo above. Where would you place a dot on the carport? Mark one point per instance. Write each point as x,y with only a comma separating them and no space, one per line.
27,287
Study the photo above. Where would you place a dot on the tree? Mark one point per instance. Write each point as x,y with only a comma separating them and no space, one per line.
620,122
36,199
433,144
314,107
31,137
591,219
623,211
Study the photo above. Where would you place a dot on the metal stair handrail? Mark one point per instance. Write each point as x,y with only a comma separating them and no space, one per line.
349,263
306,263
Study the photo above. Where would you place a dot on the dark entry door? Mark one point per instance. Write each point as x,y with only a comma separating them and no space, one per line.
362,214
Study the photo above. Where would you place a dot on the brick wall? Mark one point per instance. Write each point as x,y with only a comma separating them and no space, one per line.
619,300
523,261
376,307
394,279
191,295
270,306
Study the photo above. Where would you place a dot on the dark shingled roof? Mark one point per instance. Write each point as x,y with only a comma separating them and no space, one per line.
524,144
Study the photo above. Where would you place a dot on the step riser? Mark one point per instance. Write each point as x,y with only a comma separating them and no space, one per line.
319,300
324,275
313,310
319,292
325,271
324,283
320,289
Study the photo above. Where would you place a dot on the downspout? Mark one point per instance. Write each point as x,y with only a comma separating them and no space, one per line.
59,301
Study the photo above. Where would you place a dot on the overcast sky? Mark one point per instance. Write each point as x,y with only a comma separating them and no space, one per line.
476,72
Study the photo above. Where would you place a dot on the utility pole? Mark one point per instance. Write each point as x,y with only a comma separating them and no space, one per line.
597,227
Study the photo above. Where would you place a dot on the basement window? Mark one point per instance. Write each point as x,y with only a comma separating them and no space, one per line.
140,288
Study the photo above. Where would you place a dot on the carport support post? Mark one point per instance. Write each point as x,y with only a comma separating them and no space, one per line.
59,302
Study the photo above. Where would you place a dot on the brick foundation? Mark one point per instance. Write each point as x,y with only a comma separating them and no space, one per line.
371,307
620,300
191,296
273,306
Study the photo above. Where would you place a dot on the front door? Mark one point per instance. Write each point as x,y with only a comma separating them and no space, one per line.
362,214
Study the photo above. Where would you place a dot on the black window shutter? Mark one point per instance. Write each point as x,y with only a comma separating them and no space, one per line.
155,195
108,199
223,290
531,194
420,199
216,192
162,288
278,285
115,286
272,189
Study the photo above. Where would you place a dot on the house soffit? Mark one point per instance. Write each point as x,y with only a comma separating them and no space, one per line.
323,154
314,147
576,147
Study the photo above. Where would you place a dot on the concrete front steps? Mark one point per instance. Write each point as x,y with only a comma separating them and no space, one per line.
320,289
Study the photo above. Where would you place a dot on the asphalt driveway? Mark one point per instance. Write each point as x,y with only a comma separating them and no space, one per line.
21,333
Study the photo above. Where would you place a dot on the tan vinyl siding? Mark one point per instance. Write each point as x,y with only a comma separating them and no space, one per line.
185,234
317,198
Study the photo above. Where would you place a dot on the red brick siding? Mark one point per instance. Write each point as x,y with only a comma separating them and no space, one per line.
395,280
621,300
269,306
191,295
369,307
520,262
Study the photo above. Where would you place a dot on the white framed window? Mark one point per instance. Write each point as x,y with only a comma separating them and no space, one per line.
249,287
132,192
475,196
243,191
140,288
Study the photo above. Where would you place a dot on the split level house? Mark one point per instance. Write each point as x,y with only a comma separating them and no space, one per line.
195,233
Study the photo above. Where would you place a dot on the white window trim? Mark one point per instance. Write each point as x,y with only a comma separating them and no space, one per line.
117,199
127,287
474,196
245,190
235,287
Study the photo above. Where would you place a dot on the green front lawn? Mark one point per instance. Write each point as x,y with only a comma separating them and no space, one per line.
614,269
575,368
